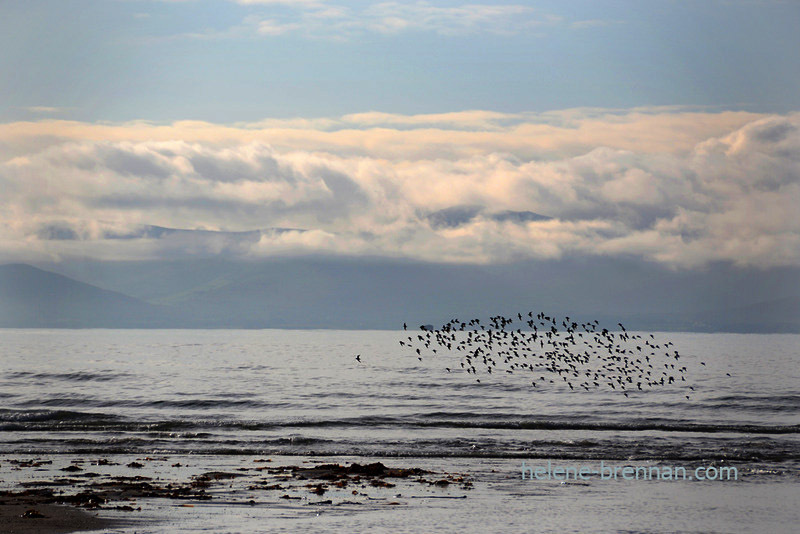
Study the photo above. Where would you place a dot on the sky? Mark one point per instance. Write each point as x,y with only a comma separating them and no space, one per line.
461,132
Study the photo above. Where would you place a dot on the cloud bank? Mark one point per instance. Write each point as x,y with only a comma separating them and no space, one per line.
676,186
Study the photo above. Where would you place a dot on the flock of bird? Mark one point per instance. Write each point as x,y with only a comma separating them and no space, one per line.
578,355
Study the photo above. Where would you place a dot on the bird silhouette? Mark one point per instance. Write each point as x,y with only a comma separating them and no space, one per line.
584,355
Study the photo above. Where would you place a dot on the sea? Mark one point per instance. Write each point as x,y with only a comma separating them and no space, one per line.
223,398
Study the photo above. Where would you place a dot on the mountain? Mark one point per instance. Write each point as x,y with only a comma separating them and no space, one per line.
31,297
334,292
782,314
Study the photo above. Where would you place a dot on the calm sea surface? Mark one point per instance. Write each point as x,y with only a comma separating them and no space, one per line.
224,394
302,392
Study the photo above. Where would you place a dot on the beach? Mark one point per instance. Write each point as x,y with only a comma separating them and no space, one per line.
285,494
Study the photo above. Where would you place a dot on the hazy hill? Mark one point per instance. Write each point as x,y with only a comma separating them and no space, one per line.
31,297
783,315
325,292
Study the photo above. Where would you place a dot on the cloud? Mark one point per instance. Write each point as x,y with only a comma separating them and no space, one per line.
593,23
293,3
683,188
272,27
322,20
396,17
454,135
46,110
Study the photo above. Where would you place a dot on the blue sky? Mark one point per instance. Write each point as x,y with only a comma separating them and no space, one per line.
227,61
446,131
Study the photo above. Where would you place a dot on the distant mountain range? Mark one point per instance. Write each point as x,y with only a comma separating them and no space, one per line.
329,292
31,297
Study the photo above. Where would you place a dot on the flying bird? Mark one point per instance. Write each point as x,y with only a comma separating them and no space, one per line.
582,355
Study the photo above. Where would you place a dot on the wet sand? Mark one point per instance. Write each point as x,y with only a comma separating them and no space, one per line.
58,496
33,517
186,494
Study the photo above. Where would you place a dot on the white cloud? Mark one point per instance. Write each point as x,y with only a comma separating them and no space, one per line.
430,136
395,17
272,27
677,187
46,110
324,20
593,23
293,3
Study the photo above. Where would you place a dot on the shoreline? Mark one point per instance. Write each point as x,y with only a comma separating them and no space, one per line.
24,516
93,494
209,493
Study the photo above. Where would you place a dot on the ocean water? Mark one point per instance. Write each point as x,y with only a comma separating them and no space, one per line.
301,394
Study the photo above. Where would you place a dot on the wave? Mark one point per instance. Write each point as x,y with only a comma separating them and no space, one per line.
445,448
760,403
43,420
22,416
79,376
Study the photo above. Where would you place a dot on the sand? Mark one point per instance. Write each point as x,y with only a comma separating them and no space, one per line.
56,496
255,494
30,517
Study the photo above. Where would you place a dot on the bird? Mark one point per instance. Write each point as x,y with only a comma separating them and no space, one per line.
582,354
358,358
